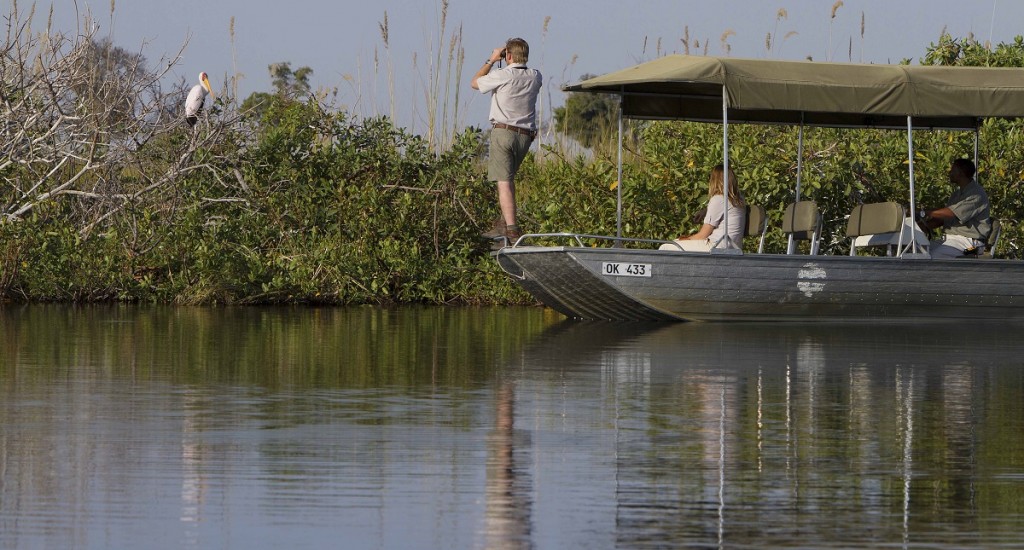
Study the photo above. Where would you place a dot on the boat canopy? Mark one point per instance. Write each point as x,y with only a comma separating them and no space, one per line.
686,87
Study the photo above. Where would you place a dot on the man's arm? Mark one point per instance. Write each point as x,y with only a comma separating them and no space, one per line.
934,219
494,58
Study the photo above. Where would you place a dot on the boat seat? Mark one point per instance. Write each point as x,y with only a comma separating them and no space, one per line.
993,240
876,219
802,222
757,224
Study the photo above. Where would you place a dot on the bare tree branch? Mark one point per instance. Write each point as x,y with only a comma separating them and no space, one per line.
88,123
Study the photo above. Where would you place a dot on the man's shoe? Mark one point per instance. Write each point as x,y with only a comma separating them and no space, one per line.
497,229
512,234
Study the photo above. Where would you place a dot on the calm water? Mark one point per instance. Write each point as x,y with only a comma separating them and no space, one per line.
124,427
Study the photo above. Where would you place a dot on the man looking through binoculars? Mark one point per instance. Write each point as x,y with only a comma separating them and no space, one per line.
514,90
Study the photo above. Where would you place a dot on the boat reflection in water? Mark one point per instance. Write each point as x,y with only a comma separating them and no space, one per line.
501,428
736,434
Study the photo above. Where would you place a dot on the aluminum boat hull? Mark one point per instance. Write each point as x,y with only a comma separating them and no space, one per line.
764,287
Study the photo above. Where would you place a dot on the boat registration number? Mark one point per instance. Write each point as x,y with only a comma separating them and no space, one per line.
625,270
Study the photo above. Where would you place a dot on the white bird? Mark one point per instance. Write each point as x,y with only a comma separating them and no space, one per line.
196,98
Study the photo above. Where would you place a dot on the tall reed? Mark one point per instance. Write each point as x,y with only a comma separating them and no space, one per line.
456,62
726,47
235,75
541,105
772,42
861,37
835,8
434,75
385,33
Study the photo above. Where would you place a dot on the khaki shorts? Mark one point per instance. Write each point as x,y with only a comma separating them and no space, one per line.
507,151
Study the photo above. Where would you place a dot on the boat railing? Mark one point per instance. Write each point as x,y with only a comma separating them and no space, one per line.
578,238
899,246
618,242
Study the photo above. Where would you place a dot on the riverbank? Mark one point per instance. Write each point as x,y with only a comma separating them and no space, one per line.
296,202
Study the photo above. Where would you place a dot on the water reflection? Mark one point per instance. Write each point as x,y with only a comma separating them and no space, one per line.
801,428
503,428
193,479
508,478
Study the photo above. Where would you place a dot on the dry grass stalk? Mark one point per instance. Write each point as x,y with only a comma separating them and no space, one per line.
780,15
234,59
542,105
862,26
725,40
385,34
433,78
832,18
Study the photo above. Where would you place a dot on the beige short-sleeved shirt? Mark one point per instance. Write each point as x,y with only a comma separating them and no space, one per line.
514,99
971,206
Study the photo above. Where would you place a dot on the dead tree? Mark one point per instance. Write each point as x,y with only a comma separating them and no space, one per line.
87,123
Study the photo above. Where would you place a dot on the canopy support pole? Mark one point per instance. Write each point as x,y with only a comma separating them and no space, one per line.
910,158
725,166
977,142
799,157
618,187
791,242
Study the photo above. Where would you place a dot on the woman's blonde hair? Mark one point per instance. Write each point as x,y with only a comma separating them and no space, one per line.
717,184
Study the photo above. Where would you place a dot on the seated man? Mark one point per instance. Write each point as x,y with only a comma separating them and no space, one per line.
965,219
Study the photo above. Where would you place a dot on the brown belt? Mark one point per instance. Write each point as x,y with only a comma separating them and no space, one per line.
516,129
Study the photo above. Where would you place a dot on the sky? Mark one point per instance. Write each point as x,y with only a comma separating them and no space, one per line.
342,40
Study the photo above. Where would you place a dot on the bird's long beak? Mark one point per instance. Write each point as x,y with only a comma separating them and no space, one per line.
206,84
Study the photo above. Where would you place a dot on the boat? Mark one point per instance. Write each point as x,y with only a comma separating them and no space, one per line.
612,277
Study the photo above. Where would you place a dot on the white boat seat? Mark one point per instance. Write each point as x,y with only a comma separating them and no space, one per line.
757,224
876,224
802,222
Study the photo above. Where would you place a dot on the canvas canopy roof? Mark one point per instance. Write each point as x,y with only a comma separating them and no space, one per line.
817,94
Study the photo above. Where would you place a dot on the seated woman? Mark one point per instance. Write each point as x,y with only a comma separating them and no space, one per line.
713,229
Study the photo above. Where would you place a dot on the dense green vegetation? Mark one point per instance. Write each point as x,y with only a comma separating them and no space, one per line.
288,200
321,209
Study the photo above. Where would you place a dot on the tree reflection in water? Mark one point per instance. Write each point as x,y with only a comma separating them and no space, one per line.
502,429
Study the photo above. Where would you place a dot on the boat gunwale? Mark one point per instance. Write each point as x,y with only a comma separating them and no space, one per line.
995,299
519,248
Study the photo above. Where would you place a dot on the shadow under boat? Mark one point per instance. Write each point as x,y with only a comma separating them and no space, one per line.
582,345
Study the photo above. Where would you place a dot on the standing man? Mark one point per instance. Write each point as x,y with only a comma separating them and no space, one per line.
513,116
965,219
